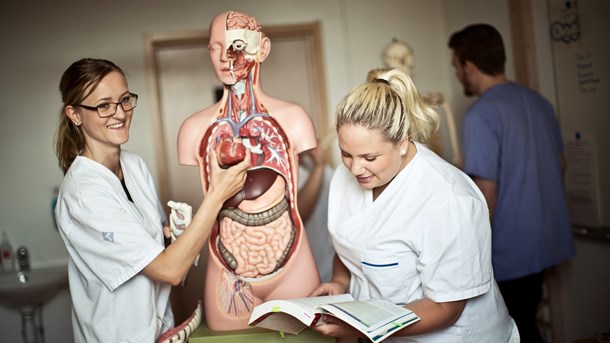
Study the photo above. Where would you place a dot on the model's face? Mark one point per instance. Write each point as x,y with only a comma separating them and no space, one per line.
372,160
106,133
462,76
399,56
233,52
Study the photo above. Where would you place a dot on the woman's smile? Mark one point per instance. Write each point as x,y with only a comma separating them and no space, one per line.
116,126
364,179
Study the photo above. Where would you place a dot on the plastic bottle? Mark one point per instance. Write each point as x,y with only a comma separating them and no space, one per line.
6,253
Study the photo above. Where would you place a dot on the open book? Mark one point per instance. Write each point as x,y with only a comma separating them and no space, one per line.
375,318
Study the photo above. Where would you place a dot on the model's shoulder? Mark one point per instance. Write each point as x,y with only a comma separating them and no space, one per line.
199,120
278,107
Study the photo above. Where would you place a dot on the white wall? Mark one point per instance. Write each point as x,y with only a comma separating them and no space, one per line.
40,41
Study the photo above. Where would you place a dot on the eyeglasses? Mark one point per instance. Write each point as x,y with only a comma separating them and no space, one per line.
108,109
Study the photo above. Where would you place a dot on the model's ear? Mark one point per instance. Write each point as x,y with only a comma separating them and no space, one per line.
265,48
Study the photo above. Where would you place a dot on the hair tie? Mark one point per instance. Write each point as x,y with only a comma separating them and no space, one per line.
384,81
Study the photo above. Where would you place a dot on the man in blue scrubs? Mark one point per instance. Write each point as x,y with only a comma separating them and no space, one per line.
513,150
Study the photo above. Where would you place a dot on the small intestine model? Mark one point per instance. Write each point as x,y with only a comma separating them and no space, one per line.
258,249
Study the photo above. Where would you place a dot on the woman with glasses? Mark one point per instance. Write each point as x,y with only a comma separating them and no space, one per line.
109,215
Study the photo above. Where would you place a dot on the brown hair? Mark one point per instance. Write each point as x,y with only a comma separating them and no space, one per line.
77,82
480,44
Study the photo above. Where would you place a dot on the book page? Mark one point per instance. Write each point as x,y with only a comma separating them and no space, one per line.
371,314
377,318
272,314
283,322
313,302
295,309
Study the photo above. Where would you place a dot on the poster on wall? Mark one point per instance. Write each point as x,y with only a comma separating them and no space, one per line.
581,179
578,31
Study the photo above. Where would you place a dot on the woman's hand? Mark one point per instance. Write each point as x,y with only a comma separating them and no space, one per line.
335,327
224,183
328,288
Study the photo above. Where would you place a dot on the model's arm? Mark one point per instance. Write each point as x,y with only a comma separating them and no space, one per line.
191,132
172,264
489,188
187,137
295,122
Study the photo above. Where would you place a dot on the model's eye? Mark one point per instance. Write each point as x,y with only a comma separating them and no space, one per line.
239,45
370,159
214,47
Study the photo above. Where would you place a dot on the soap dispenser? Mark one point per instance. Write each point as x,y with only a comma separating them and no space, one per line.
6,253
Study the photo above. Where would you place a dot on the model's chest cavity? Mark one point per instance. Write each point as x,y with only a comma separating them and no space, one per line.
259,224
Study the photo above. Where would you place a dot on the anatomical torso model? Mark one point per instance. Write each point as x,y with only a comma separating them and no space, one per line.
258,249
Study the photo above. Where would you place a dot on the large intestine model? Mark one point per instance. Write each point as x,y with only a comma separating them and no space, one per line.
258,249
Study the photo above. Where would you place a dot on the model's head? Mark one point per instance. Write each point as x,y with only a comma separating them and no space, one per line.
96,110
480,44
236,44
397,54
375,122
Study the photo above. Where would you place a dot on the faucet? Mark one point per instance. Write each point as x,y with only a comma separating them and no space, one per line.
23,259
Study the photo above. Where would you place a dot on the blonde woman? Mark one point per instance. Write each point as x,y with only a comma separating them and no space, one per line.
407,226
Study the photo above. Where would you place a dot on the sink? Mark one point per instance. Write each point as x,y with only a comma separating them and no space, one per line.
31,288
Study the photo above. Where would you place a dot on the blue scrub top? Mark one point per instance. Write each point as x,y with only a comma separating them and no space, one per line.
511,135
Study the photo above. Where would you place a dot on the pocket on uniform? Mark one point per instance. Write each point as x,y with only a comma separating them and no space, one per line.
391,277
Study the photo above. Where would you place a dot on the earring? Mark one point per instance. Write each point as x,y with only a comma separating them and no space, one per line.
76,123
402,153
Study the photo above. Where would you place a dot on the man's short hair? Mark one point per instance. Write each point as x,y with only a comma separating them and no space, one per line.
480,44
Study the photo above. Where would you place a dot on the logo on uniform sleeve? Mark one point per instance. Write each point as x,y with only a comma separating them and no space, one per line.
108,236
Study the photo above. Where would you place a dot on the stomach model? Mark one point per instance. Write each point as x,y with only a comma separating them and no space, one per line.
259,229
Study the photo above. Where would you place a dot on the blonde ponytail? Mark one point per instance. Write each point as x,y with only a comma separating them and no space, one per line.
390,103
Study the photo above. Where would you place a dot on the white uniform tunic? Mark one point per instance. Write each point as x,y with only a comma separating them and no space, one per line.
110,240
426,236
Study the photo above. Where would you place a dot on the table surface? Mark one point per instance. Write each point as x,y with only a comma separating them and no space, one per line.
255,335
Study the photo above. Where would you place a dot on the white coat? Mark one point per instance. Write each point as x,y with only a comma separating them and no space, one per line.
110,240
426,236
